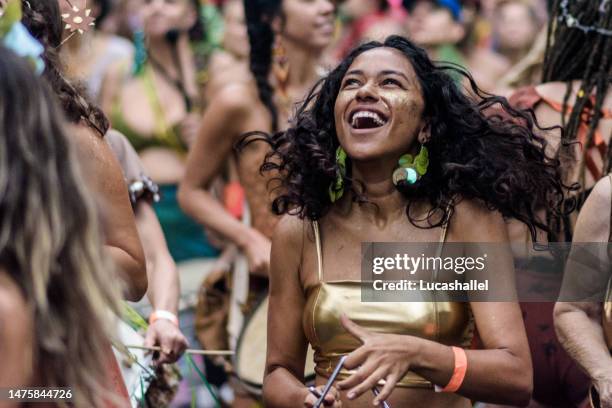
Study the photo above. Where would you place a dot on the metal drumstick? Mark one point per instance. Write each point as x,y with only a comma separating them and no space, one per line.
330,382
384,403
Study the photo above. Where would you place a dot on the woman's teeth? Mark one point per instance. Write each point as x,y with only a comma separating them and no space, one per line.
367,119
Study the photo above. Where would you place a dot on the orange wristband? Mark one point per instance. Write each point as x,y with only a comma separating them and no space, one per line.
458,373
163,314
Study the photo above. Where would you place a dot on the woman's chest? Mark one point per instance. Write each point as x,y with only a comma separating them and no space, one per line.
150,107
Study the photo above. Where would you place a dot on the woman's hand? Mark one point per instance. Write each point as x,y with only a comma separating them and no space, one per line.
257,250
332,398
168,337
382,356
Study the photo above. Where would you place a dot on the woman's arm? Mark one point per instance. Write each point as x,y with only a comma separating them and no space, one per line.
164,286
221,126
287,344
500,373
578,324
286,350
163,277
103,172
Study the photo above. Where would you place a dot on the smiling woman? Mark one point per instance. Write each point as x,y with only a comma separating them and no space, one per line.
370,116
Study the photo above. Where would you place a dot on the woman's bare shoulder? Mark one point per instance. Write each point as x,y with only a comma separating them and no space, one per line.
239,93
555,91
473,221
594,221
289,230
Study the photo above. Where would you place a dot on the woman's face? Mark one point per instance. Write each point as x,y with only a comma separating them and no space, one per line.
161,16
309,23
379,108
515,26
429,25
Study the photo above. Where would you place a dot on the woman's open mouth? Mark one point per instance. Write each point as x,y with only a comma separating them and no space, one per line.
367,119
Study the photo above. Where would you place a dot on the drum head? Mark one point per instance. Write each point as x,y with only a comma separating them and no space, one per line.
250,357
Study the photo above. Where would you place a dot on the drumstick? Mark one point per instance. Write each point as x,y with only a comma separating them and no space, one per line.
376,392
188,351
330,382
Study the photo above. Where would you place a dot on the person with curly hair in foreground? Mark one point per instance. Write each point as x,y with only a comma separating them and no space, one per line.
346,177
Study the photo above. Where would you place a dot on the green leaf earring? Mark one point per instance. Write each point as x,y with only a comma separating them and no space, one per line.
336,189
411,169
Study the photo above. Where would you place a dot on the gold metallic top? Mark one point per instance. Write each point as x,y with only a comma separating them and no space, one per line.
446,322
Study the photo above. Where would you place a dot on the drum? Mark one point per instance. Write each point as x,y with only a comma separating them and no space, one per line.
134,364
250,357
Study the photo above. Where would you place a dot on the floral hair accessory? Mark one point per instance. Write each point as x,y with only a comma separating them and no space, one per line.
77,20
15,36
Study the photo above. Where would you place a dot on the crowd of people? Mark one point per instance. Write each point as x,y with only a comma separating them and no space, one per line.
261,143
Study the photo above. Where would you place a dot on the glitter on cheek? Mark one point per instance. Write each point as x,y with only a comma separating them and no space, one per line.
403,101
396,98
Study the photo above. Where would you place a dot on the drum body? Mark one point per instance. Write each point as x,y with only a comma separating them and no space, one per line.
250,357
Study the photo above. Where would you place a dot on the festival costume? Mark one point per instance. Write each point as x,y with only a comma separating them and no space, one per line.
450,323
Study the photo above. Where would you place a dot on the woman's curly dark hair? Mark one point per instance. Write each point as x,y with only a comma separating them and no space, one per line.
44,21
480,148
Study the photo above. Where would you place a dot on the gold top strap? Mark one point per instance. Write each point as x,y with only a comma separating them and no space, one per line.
315,227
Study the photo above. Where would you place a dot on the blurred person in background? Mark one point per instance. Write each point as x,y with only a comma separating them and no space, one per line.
515,27
154,102
585,327
287,39
445,29
231,60
55,285
87,128
88,56
575,98
575,94
528,70
163,289
368,20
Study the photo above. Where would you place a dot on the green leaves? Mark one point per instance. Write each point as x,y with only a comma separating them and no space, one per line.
406,160
419,163
11,15
336,189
